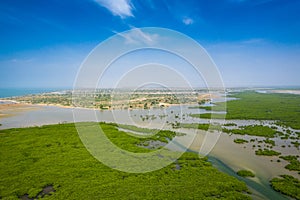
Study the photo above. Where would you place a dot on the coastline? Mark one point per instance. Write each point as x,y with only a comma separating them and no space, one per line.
13,102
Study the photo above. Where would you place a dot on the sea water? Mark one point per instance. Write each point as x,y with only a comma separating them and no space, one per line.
13,92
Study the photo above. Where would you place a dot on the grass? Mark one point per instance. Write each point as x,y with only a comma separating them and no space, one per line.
151,134
53,155
251,105
240,141
294,164
209,116
137,129
287,185
245,173
130,141
267,152
230,124
289,157
271,142
201,107
296,144
205,127
193,125
254,130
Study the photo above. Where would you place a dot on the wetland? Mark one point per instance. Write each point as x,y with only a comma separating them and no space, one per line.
261,139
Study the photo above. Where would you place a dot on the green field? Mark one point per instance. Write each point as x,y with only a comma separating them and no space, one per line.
53,156
245,173
240,141
287,185
267,152
254,130
252,105
294,164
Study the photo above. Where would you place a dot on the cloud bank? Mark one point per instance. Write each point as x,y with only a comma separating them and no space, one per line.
121,8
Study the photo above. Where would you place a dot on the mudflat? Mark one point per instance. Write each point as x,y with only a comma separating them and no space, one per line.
11,109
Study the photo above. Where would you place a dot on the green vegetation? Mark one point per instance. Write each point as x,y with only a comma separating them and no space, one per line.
289,157
131,141
294,164
271,142
296,144
287,185
145,131
258,106
193,125
230,124
160,135
53,155
209,116
267,152
201,107
284,137
245,173
255,130
240,141
199,126
137,129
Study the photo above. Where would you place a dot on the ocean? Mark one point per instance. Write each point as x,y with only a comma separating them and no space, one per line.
12,92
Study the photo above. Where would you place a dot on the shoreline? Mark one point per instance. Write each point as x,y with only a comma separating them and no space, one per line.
75,107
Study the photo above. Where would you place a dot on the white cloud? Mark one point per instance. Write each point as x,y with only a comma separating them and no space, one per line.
187,21
137,36
121,8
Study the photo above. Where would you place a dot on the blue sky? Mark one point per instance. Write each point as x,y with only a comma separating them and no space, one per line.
253,42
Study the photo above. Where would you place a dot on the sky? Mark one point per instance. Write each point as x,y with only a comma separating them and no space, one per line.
252,42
